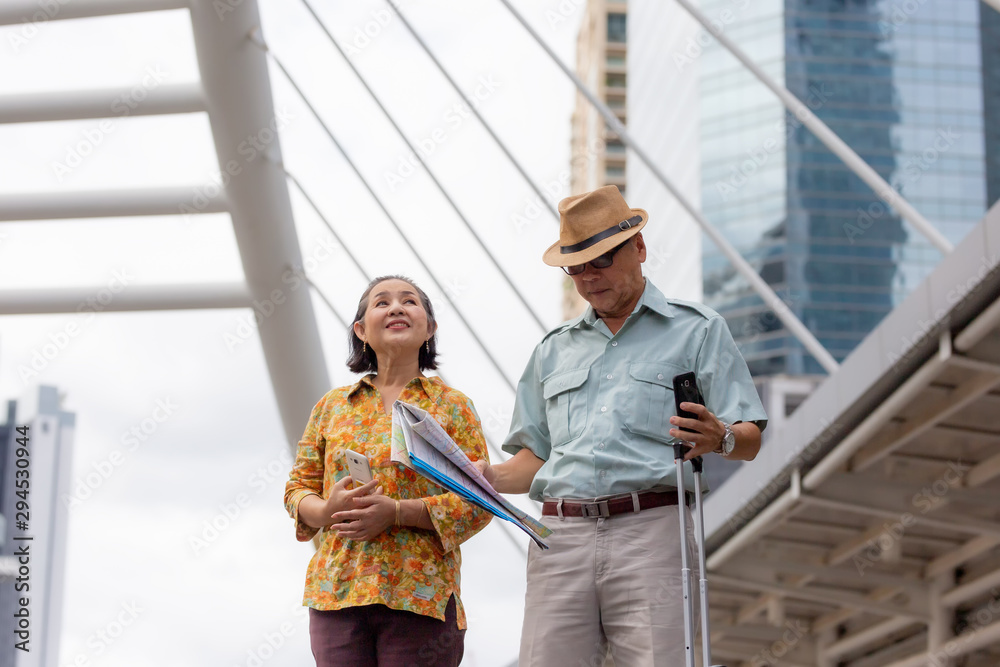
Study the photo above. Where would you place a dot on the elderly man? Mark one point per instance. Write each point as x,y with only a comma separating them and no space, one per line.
593,420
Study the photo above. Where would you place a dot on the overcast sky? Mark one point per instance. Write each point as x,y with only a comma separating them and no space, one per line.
140,545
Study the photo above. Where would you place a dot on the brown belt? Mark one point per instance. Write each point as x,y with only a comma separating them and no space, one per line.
611,506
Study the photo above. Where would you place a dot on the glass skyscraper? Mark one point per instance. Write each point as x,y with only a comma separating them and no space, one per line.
913,86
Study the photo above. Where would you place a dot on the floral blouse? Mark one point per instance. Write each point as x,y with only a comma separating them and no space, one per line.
405,568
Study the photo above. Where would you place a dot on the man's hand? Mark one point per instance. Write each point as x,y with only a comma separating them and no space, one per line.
372,515
487,470
513,475
708,430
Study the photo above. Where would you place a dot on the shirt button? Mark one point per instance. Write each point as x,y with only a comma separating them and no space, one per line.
610,376
600,446
659,376
604,408
614,343
603,473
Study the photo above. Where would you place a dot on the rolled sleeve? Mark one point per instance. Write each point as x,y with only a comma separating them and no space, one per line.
454,519
306,477
728,386
528,426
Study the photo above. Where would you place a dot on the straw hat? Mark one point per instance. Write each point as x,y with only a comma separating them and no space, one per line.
592,224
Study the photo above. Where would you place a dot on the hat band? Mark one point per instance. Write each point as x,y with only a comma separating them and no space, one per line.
622,226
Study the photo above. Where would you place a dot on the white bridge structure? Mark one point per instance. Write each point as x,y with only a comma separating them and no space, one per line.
866,533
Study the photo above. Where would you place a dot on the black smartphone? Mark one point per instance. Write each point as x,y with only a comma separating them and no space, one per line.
686,391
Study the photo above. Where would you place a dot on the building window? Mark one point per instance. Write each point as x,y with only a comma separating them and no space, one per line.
614,147
616,28
614,80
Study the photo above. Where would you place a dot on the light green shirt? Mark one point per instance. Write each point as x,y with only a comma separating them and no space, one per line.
596,406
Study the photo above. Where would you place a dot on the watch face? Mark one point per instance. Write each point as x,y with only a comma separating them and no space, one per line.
728,441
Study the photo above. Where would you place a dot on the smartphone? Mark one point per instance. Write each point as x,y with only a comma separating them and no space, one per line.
358,466
686,391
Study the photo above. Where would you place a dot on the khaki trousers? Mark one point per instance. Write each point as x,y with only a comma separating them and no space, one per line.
611,582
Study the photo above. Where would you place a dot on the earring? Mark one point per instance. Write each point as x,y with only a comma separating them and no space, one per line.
364,348
428,345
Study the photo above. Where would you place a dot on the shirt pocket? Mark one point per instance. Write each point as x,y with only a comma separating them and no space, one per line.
651,399
565,404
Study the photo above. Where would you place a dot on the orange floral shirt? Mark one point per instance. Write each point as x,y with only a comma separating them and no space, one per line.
405,568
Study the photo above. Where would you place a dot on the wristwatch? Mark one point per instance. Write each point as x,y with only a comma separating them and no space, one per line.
728,441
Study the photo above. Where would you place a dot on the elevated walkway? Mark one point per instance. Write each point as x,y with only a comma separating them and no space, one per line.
867,532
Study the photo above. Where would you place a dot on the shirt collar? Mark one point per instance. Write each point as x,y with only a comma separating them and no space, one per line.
652,298
432,386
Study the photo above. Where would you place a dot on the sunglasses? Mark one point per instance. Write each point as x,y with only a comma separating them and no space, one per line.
599,262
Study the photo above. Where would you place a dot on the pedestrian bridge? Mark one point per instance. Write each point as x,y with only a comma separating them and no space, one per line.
866,532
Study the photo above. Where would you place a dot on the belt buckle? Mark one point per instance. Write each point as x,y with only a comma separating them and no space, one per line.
597,509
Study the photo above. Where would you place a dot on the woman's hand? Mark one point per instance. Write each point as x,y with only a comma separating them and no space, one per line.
317,512
372,515
342,498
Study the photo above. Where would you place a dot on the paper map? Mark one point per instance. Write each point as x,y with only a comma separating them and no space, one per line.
421,444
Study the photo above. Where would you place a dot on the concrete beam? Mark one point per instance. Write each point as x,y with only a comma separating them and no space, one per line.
17,12
126,298
102,103
112,203
238,96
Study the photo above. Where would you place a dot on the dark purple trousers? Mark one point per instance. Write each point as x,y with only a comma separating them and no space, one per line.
376,636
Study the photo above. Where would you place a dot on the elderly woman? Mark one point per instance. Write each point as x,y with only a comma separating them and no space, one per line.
383,587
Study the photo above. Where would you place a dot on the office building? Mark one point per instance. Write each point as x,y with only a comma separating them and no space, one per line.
597,156
49,447
658,104
913,88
